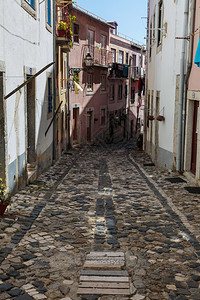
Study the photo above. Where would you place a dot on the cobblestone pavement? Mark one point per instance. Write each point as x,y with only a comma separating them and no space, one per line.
101,199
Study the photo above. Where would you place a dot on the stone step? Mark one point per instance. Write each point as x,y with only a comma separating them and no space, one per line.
104,273
115,285
94,291
99,266
104,278
106,254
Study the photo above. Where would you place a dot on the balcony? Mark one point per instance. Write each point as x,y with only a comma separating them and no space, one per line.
119,71
96,56
63,36
135,72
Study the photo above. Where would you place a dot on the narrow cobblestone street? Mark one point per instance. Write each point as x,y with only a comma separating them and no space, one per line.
98,199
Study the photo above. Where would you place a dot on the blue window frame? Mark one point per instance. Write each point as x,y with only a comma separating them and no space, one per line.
49,12
30,2
49,95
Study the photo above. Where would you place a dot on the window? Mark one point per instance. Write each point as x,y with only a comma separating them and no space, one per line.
132,95
126,90
120,88
103,116
112,92
154,27
76,33
49,12
113,55
89,82
121,57
30,2
160,11
49,84
150,36
127,58
90,35
30,7
103,82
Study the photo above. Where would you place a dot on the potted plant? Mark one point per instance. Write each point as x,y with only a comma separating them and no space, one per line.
160,118
4,199
151,118
62,29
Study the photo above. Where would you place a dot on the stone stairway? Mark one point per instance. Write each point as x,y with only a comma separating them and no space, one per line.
104,274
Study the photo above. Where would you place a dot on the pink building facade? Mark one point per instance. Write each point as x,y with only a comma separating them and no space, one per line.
126,79
89,61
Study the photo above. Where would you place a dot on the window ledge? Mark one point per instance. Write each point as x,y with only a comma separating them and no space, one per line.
88,93
29,9
49,28
103,92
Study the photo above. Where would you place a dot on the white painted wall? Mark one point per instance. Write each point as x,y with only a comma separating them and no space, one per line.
164,65
25,41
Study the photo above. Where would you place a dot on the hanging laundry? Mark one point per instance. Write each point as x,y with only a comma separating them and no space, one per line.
197,56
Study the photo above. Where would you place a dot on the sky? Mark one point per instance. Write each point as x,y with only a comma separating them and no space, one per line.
128,16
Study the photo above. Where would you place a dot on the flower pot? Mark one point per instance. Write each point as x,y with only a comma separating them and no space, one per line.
61,33
151,118
160,118
3,207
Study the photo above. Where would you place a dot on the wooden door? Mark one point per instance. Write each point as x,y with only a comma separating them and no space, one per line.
194,137
31,154
103,49
91,42
75,123
89,125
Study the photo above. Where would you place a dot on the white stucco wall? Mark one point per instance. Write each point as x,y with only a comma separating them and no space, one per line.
164,65
25,42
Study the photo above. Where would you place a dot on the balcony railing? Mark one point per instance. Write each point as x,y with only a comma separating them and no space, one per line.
119,71
135,72
99,56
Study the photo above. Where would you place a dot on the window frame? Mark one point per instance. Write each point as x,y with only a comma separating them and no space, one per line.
30,7
113,50
49,95
48,4
103,80
127,57
78,34
120,91
122,58
103,117
112,92
90,90
160,23
132,95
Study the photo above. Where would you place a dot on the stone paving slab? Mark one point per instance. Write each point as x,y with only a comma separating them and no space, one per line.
52,225
95,291
104,273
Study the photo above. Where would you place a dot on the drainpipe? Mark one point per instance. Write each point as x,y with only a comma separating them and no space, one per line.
189,68
181,88
54,77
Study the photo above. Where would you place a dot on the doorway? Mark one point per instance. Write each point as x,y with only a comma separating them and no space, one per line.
31,154
194,137
75,124
89,123
157,128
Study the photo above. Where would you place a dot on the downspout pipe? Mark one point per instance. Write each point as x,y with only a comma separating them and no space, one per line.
181,87
189,68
